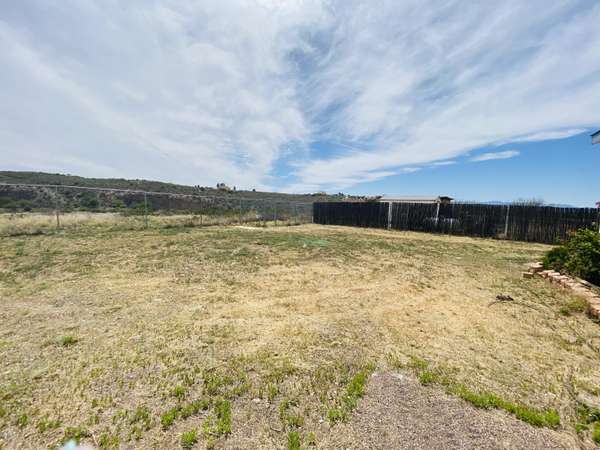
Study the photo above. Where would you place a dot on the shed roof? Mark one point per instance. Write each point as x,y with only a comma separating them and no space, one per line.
415,198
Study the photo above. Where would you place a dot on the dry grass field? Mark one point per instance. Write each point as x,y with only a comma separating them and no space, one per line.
276,337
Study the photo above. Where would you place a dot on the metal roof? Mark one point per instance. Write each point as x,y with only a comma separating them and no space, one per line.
415,198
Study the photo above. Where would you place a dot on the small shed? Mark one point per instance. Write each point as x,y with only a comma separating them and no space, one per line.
596,137
439,199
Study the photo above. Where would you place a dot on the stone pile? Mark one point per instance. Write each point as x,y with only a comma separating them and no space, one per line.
577,285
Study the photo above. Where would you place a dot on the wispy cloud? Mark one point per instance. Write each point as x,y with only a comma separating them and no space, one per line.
497,155
550,135
241,91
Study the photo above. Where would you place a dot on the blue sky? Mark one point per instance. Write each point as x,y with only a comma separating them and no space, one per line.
481,101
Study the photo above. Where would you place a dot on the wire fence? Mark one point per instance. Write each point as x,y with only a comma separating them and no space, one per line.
37,208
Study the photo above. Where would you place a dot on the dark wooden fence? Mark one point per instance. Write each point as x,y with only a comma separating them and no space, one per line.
543,224
365,214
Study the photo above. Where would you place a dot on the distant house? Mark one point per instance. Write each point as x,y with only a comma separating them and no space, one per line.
223,187
441,199
596,137
598,205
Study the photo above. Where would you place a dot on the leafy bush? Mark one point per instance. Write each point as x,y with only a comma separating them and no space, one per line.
578,256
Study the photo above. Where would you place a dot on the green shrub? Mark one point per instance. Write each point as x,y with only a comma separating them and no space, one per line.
578,256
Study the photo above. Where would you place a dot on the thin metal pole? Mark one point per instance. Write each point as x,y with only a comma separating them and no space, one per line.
146,210
389,219
437,215
57,209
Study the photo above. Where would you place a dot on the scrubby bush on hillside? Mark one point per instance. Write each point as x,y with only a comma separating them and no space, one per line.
578,256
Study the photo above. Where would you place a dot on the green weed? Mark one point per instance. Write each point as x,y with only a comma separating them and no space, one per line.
293,440
548,418
75,434
168,418
354,391
178,392
596,433
67,341
189,439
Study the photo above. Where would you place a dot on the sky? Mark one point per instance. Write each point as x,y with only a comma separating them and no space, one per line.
477,100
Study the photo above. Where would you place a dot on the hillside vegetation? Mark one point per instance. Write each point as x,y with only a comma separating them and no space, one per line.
163,197
151,186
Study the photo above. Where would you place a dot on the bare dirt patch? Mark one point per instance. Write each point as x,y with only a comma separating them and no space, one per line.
398,412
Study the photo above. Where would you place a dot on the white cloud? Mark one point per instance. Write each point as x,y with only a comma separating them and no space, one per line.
443,163
496,155
239,90
550,135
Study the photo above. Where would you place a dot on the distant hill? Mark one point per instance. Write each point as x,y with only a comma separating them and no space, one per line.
197,199
153,186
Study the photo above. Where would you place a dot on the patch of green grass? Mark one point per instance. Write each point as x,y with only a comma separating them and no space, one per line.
47,424
576,305
67,340
178,392
194,408
564,310
223,414
168,418
108,441
272,391
336,415
75,434
140,421
208,431
217,424
214,383
141,417
22,420
289,419
548,418
427,377
354,391
189,439
293,440
596,433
